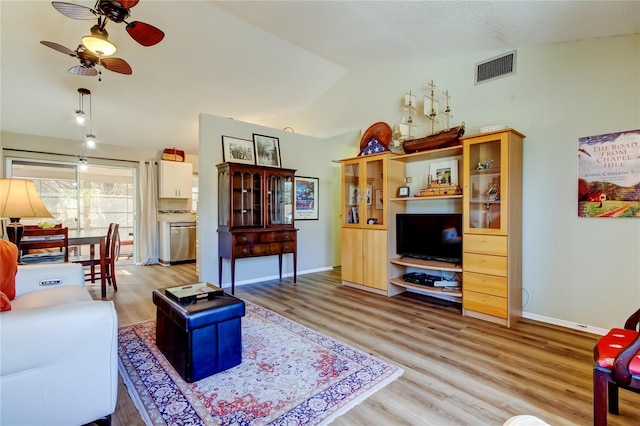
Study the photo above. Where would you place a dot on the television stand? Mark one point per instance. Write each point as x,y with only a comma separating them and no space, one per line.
397,285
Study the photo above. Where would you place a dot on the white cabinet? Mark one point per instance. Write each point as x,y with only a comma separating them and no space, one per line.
175,179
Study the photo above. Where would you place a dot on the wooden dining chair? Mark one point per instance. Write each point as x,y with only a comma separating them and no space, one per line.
43,240
617,365
111,252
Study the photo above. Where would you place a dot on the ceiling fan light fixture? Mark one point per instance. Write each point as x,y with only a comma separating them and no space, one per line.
98,42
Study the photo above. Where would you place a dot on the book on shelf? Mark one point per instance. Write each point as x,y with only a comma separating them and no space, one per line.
193,292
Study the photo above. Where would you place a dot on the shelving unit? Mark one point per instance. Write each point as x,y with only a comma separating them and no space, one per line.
430,265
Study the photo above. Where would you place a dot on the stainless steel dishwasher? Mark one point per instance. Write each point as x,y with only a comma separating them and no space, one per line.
177,242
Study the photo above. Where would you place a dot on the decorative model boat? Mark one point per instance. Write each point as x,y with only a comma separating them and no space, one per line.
435,139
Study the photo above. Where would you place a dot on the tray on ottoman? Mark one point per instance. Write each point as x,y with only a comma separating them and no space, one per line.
202,338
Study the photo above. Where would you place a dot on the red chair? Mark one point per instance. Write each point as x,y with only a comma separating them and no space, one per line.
617,357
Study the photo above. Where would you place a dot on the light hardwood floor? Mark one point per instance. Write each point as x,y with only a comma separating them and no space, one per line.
457,370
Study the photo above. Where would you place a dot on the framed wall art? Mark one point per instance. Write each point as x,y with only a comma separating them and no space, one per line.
267,150
306,198
236,150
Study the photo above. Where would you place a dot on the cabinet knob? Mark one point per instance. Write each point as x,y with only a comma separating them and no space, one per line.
245,250
286,235
244,238
286,246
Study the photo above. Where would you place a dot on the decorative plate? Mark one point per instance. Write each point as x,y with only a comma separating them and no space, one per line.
381,131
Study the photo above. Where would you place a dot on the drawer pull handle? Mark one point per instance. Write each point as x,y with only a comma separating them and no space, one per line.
245,250
286,235
286,246
245,238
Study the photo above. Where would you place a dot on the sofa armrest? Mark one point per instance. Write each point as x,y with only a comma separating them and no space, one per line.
59,363
32,278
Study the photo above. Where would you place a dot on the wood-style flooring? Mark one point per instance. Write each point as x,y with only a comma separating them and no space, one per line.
457,370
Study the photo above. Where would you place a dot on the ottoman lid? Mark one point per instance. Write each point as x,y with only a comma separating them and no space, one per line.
201,313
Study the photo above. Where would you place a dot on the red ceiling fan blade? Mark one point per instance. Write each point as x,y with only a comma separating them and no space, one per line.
74,11
80,70
145,34
59,48
116,65
128,4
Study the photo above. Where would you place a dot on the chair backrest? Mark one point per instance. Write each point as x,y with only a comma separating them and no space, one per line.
113,241
39,238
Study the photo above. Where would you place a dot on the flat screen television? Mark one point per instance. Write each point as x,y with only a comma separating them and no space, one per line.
430,236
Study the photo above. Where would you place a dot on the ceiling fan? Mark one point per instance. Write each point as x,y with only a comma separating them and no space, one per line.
89,60
116,11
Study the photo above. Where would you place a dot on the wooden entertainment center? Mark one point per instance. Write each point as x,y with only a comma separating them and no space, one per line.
491,205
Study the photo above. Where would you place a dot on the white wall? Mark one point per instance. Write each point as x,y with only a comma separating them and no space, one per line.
575,270
309,156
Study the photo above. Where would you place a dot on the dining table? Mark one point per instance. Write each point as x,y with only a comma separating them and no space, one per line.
92,238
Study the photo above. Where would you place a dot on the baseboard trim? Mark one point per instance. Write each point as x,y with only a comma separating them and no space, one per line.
566,324
275,277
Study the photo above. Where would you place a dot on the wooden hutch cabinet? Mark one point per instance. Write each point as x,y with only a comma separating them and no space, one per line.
255,214
492,226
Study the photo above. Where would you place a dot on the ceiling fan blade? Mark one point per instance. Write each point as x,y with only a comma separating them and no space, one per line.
128,4
74,11
145,34
80,70
116,65
60,48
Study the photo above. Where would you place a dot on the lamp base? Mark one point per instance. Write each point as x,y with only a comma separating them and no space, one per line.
15,230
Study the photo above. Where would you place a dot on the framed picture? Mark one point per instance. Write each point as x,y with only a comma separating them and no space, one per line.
267,150
444,172
306,198
353,195
236,150
379,199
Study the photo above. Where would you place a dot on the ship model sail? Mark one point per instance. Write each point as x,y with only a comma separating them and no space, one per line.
443,138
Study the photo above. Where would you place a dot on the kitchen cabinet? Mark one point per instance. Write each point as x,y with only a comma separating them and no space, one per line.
368,220
175,179
492,226
255,215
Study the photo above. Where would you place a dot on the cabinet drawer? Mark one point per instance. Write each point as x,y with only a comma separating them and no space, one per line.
487,284
245,238
277,236
484,303
288,246
484,264
248,250
486,244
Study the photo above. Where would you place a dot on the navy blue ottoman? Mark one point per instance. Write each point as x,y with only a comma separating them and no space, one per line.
202,338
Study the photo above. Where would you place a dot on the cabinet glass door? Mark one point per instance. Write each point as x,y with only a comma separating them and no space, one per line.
279,200
484,159
373,191
246,208
351,192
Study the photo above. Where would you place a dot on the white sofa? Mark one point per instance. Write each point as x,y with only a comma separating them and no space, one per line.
58,359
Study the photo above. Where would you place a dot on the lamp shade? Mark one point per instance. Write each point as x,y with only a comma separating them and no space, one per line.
19,199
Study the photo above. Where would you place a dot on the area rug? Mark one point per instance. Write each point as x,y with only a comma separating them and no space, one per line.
289,375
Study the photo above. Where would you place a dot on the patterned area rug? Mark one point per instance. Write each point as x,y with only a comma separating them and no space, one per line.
289,375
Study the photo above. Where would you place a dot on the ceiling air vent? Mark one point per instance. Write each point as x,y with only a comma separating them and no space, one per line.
497,67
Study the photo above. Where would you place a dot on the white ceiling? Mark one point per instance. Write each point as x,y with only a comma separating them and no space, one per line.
255,61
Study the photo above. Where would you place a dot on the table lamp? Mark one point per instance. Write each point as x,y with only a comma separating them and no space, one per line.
19,199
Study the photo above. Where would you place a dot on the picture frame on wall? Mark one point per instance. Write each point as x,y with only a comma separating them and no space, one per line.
267,149
236,150
306,198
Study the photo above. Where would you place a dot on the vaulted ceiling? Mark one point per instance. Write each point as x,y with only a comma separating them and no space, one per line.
255,61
